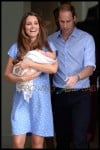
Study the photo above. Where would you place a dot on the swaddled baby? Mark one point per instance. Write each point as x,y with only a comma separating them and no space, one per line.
36,56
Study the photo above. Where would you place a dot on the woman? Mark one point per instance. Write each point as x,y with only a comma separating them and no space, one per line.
36,116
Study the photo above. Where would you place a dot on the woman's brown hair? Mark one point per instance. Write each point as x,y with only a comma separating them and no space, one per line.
24,42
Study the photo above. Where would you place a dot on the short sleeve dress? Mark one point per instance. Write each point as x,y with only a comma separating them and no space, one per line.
36,116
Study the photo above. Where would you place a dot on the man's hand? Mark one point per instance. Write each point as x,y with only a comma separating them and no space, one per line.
71,81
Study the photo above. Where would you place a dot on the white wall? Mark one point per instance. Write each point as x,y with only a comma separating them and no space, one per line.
82,8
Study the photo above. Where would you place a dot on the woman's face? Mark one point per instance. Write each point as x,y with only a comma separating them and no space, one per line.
32,27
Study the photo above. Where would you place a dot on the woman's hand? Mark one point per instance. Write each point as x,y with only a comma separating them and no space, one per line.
30,77
24,64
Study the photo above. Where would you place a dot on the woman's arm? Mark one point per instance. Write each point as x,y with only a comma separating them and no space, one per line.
48,68
13,78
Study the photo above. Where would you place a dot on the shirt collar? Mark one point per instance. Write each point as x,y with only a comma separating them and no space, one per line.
74,33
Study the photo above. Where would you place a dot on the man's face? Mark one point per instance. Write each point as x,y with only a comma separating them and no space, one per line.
66,21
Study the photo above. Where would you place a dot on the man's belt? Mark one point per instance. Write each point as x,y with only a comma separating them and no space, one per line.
65,90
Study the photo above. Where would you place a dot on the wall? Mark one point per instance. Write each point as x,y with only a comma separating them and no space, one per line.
46,12
82,8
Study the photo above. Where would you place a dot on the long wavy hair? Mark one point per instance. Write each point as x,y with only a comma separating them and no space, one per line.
24,41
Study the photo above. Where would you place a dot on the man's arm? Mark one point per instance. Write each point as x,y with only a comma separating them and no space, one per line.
72,80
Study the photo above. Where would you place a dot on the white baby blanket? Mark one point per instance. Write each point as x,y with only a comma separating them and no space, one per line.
27,87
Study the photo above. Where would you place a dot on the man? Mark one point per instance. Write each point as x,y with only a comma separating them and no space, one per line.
71,96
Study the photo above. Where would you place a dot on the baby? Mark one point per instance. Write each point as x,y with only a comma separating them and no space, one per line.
38,56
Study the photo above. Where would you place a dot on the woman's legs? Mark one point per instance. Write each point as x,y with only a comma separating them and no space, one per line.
37,141
18,141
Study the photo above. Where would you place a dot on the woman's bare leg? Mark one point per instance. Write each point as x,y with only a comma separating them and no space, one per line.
18,141
37,141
